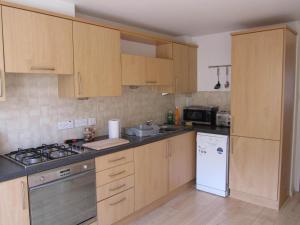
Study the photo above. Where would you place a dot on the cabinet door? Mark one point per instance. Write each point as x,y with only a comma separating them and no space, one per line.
2,73
192,69
97,61
14,207
151,173
182,161
257,64
254,166
159,71
36,43
133,70
181,68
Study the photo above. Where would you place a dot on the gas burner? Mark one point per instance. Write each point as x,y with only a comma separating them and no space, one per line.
41,154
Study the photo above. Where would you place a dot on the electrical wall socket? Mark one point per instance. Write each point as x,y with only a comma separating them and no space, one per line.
92,121
65,125
81,122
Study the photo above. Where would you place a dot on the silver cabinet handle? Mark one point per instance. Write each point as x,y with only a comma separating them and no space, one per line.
24,195
117,188
118,202
116,174
115,160
1,84
50,68
79,83
151,82
170,149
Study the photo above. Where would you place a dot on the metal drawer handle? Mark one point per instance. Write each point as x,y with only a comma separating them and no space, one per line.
42,68
118,202
116,174
24,202
151,82
115,160
117,188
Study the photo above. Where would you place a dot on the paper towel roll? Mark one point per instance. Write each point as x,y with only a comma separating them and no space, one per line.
114,128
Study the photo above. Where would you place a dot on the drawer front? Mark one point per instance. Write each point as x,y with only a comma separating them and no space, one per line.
114,188
116,208
112,160
115,173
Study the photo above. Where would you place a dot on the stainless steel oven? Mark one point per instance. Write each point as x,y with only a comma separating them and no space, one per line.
64,196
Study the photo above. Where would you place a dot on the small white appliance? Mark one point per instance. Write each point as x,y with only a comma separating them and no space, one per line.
212,163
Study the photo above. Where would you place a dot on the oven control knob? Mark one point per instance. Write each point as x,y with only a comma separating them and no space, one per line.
85,167
42,178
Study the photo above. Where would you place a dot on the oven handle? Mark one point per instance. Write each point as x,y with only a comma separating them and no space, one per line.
62,180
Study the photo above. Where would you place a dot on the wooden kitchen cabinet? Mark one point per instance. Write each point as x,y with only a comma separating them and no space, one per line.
36,43
182,159
254,166
151,173
116,208
133,70
2,72
193,69
185,68
14,207
257,84
262,108
141,70
97,63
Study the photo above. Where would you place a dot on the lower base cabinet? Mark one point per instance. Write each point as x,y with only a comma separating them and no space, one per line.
115,208
14,207
254,166
130,180
151,173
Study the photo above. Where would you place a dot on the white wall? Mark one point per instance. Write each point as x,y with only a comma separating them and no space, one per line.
57,6
214,49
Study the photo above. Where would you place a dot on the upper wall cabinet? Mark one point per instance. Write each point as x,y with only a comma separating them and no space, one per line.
140,70
2,73
36,43
185,68
96,61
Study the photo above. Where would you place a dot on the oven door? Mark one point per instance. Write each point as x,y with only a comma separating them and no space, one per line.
68,201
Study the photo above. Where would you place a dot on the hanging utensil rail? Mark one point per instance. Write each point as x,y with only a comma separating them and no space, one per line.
220,66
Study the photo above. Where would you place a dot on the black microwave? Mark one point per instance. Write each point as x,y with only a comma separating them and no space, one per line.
203,115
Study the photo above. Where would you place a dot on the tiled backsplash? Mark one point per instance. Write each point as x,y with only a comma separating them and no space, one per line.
32,110
205,98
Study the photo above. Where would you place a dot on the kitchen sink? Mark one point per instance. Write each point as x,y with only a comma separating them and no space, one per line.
166,129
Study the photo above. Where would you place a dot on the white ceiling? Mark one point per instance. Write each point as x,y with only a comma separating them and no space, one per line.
192,17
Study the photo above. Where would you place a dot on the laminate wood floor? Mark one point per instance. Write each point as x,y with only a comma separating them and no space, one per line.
199,208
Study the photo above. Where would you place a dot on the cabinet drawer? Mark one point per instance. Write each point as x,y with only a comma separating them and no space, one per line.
115,208
115,173
115,159
115,187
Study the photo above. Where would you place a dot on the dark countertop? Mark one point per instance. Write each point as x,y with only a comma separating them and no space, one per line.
10,170
212,130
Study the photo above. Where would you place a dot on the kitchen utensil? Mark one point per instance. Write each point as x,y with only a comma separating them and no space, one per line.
218,85
227,84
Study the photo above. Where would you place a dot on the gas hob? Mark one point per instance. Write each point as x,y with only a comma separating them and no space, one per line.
32,156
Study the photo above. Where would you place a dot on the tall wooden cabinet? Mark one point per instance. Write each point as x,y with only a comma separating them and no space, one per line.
262,105
14,207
